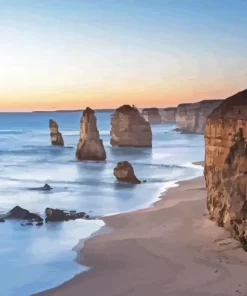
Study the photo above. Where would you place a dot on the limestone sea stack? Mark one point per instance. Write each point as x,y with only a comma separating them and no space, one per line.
152,115
226,164
129,128
56,136
191,118
168,115
90,146
124,172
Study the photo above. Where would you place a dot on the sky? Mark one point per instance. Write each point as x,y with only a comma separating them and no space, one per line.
69,54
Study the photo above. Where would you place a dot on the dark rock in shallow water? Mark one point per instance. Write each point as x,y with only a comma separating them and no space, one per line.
56,215
2,220
46,187
29,223
124,172
23,214
39,224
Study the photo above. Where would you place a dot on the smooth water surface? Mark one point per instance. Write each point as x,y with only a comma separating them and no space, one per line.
36,258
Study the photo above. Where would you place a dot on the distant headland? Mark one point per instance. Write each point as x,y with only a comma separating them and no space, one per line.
76,110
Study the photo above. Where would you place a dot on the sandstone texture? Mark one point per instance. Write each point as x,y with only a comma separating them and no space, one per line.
129,128
151,115
191,118
226,164
124,172
168,114
90,146
56,136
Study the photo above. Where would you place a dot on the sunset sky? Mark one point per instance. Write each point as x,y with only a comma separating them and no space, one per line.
68,54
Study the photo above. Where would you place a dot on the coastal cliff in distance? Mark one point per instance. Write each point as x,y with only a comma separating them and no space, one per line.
226,165
90,146
168,115
129,128
191,118
151,115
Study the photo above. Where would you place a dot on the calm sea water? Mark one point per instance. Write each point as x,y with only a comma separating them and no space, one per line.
33,258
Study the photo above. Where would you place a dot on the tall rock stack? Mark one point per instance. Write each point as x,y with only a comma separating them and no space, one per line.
168,115
191,118
90,146
151,115
226,164
56,136
129,128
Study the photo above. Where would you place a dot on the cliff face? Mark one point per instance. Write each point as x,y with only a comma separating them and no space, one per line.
191,118
152,115
90,146
56,136
168,114
226,164
129,128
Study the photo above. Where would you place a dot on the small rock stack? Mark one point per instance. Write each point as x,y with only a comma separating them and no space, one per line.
56,136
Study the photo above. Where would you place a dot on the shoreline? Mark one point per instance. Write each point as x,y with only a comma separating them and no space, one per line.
135,243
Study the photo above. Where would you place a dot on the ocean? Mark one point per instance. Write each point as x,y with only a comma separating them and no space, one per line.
37,258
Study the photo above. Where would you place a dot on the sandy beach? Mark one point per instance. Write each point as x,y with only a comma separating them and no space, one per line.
169,249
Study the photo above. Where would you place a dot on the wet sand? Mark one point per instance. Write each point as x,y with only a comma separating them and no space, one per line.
169,249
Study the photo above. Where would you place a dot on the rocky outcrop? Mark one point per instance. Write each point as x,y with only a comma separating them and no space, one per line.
22,214
57,215
46,187
124,172
226,164
168,115
90,146
129,128
151,115
56,136
191,118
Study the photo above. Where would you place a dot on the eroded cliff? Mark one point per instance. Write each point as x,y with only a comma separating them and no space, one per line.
226,164
168,114
191,118
151,115
129,128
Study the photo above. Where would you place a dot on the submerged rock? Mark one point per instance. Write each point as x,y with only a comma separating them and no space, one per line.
2,220
226,165
56,136
90,146
124,172
129,128
56,215
46,187
20,213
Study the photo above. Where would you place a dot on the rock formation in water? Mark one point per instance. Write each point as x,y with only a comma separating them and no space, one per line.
46,187
191,118
226,164
57,215
129,128
22,214
168,115
90,146
124,172
56,136
151,115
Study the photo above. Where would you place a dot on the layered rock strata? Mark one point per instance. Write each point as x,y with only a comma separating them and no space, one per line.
191,118
90,146
226,164
129,128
